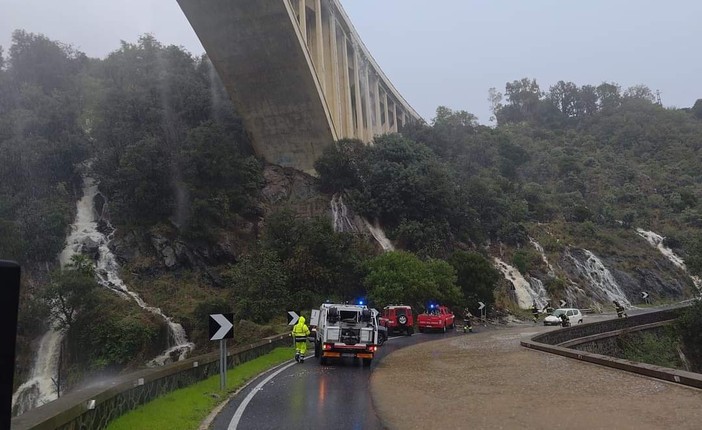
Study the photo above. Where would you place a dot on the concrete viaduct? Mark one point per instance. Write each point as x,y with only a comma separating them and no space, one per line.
299,75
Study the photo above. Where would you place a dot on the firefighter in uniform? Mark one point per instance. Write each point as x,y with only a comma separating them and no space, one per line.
535,312
300,332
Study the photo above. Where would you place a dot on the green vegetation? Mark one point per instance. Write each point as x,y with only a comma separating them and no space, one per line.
401,277
660,349
689,327
185,409
576,166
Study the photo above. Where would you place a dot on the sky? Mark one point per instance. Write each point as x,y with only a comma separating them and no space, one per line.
443,52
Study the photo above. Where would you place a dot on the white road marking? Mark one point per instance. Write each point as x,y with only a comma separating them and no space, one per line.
233,424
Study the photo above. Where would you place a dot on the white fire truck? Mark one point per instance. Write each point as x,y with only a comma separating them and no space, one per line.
346,330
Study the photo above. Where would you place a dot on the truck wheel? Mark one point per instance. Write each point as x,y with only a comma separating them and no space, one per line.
317,349
402,320
443,329
367,362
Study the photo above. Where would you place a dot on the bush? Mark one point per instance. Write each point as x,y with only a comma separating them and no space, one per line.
651,348
689,326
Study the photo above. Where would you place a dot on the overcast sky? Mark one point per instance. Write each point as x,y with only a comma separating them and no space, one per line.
443,52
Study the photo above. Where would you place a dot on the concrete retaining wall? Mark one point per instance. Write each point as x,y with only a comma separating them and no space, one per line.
600,334
92,408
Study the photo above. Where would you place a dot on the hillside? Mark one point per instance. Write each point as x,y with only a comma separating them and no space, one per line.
564,199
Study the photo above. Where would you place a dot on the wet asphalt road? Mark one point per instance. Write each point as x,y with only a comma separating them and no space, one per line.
311,396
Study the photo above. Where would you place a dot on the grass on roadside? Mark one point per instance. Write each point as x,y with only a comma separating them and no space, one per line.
185,409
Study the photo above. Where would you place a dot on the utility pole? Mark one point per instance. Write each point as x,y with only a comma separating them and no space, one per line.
658,98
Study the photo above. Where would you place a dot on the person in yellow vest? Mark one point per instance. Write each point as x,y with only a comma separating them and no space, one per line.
300,332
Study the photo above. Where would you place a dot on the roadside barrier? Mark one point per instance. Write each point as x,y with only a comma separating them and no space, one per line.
93,407
564,342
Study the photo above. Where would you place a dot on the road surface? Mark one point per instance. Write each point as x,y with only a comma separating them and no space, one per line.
311,396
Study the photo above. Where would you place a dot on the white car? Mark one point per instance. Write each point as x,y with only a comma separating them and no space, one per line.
574,316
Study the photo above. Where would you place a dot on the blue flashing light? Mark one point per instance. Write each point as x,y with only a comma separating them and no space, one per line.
431,306
360,302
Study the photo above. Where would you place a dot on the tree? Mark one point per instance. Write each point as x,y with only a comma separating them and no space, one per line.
495,99
258,286
697,109
446,117
221,182
320,264
523,97
586,103
694,259
689,325
70,292
401,277
564,95
475,276
641,92
35,59
338,166
608,95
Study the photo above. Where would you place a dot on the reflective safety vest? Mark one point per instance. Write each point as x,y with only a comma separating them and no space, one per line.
300,331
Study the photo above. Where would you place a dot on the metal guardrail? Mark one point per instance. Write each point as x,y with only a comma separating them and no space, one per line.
94,407
554,343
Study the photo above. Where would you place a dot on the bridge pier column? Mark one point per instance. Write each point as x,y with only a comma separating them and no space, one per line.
319,42
359,104
335,77
368,129
377,126
302,14
346,88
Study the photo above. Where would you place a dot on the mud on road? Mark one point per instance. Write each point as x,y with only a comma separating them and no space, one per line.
488,381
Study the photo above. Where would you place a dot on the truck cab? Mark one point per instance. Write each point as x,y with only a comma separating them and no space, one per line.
346,330
436,318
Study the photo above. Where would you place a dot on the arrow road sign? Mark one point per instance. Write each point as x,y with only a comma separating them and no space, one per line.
482,305
563,303
221,326
292,317
644,295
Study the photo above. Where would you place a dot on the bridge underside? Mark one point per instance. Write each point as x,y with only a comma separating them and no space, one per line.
298,74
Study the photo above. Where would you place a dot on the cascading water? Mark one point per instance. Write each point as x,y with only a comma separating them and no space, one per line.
107,272
340,216
656,241
83,238
379,235
539,248
40,388
541,295
599,278
343,222
526,295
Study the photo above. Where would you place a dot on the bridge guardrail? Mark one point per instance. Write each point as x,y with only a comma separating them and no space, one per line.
554,342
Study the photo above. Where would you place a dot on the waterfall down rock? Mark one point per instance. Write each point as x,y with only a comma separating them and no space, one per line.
345,221
602,285
87,238
526,294
656,241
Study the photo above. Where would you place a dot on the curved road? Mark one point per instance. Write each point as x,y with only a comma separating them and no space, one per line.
311,396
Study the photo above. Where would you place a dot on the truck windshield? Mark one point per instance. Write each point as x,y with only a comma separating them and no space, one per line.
349,316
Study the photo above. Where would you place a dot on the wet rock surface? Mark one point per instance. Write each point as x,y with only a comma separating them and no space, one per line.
488,381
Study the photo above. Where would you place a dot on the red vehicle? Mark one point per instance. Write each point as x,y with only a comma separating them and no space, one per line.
436,318
398,319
